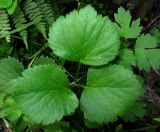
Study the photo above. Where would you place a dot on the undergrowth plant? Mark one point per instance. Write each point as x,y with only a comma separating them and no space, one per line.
39,13
46,92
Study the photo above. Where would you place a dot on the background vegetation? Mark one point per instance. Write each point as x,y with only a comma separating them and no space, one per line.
24,28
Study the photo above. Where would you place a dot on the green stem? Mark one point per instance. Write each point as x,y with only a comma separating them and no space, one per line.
77,85
78,70
39,51
17,37
33,57
79,3
59,63
21,28
30,64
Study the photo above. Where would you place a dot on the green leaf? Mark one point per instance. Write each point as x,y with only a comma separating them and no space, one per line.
157,119
2,95
125,27
10,110
10,70
85,37
136,111
147,55
11,8
21,124
156,33
5,49
109,93
127,58
5,3
43,94
43,60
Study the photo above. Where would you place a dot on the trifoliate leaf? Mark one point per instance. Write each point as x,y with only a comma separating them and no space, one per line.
147,55
85,37
11,8
109,93
136,111
43,94
43,60
125,27
127,58
5,3
10,69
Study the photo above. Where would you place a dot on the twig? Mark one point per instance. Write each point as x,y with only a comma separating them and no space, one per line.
74,82
148,26
30,64
38,52
156,71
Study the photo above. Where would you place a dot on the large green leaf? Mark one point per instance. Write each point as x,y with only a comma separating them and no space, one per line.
43,94
84,36
109,93
5,3
147,53
125,27
10,69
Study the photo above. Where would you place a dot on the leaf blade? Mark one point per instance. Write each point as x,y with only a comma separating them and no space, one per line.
146,52
85,37
127,58
109,93
5,3
10,69
45,89
125,27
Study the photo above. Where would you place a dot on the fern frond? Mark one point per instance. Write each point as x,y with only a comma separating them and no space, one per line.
47,11
33,11
4,25
19,20
55,7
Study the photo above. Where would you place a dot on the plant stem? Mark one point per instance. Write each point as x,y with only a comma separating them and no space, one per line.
30,64
78,70
36,54
78,2
6,123
39,51
75,84
21,28
69,74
